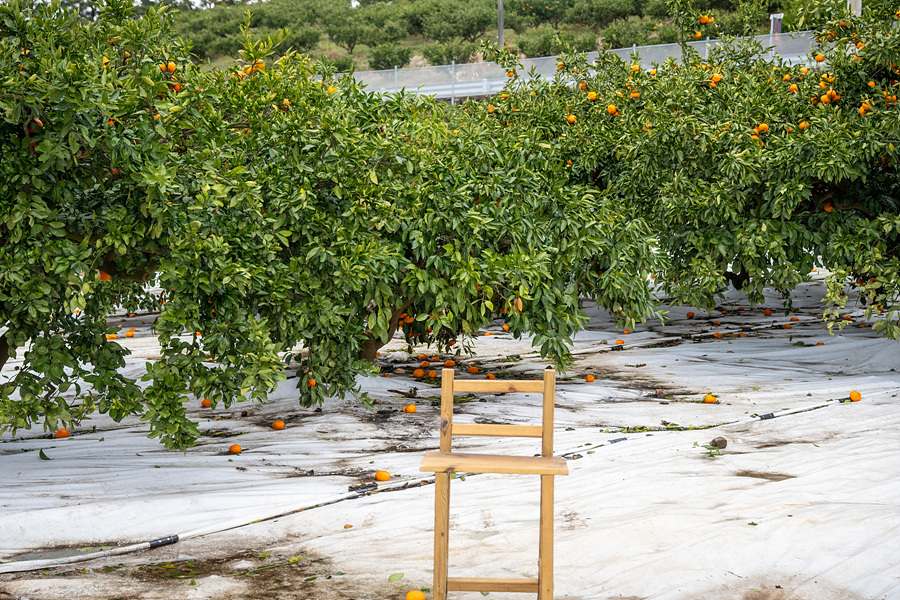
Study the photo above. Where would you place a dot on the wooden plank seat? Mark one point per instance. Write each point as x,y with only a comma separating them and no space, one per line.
459,462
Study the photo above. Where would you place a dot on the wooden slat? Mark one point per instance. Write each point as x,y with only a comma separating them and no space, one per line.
545,543
446,409
491,584
496,386
458,462
549,388
441,534
532,431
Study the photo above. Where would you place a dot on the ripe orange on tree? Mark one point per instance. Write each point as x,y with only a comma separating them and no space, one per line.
206,403
61,433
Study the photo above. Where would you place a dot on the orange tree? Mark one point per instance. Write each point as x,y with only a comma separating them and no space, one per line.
269,213
751,171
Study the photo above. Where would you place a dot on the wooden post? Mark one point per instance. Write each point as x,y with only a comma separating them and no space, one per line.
545,543
446,409
441,534
549,401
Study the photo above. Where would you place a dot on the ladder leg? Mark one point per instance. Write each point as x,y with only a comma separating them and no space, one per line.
545,551
441,533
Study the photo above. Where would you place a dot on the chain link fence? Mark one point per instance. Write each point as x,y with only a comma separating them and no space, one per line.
487,78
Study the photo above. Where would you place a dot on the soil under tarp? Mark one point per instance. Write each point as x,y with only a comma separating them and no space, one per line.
802,504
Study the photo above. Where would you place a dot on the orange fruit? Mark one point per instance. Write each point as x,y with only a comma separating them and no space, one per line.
619,342
820,343
626,332
409,408
432,374
717,322
424,364
473,370
423,357
61,433
415,595
794,319
206,403
278,425
762,127
382,476
505,327
450,363
786,326
716,78
820,58
690,315
103,275
589,378
854,397
828,207
611,109
767,312
418,373
129,334
793,89
742,334
311,383
709,399
592,96
490,376
234,449
717,335
570,119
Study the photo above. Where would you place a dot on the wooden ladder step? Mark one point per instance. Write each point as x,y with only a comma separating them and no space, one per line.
458,462
491,584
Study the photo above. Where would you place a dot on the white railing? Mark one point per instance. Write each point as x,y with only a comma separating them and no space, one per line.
487,78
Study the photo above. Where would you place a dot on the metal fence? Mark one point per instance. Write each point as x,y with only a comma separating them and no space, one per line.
482,79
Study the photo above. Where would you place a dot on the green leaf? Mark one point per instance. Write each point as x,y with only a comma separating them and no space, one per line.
43,456
396,577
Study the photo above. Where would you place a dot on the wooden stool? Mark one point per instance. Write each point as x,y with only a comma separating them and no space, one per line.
445,462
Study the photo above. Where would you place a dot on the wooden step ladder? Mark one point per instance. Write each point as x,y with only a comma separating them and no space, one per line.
445,462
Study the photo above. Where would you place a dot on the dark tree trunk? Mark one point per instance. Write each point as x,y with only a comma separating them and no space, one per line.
4,350
738,280
369,348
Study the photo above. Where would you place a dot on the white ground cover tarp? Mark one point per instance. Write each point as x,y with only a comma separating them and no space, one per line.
804,503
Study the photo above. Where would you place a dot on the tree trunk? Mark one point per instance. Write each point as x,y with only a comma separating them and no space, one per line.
4,350
738,280
369,348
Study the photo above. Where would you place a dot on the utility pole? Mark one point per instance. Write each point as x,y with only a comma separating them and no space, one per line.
500,23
